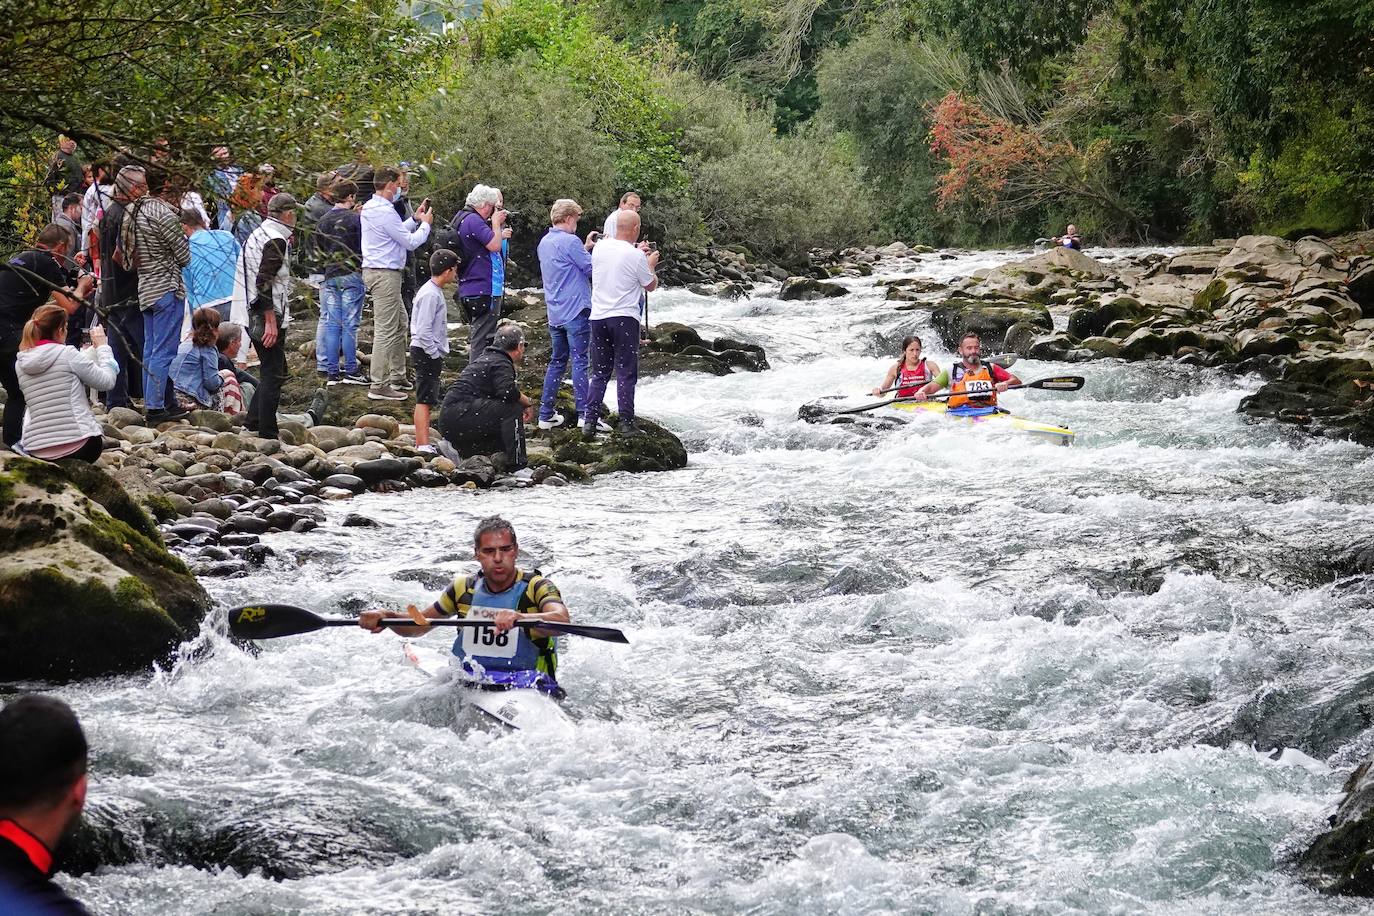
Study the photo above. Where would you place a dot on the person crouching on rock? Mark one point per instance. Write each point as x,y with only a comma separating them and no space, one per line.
911,371
484,411
429,341
58,422
196,375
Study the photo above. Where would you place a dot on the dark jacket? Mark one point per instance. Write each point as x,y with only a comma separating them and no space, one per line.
118,284
26,891
64,174
490,376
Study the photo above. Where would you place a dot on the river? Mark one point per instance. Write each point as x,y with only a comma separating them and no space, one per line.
938,669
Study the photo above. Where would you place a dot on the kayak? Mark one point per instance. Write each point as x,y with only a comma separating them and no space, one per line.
520,708
1059,435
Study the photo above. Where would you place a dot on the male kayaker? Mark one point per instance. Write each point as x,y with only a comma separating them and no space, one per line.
503,654
974,382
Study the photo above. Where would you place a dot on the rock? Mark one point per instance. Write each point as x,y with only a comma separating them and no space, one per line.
442,465
672,337
380,469
1103,347
1020,337
991,323
246,524
424,477
1338,861
257,554
282,519
348,482
211,419
354,520
1093,321
139,435
477,471
723,289
389,426
291,433
78,547
216,507
1144,343
120,417
1051,348
230,442
328,438
806,288
1264,343
367,451
239,540
335,493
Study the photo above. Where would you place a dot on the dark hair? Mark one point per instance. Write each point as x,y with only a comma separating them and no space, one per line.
204,327
191,217
49,322
967,335
343,189
42,752
385,176
52,236
71,200
493,524
158,179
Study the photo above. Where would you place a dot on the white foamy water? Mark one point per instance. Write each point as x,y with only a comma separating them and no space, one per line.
936,669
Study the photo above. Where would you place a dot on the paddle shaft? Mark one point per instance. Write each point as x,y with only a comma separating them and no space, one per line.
1044,383
270,621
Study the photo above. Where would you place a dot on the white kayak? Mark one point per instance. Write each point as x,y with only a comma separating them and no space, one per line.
522,708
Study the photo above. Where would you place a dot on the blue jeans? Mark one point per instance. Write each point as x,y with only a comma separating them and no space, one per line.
571,339
161,337
341,305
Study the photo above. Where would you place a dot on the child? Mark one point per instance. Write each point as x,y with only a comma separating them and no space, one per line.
195,369
911,371
429,341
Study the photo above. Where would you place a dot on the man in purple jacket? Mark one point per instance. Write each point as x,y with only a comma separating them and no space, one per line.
481,228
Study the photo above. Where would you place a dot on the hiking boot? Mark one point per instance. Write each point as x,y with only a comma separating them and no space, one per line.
552,422
385,393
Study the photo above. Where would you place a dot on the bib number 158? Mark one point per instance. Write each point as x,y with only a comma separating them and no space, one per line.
485,642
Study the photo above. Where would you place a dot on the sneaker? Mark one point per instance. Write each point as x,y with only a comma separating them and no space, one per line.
403,386
334,379
322,373
353,378
427,450
601,425
552,423
385,393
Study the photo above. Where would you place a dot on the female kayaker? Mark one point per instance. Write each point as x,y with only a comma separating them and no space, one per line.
911,372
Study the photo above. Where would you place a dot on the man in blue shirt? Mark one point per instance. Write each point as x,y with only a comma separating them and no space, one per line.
565,262
481,228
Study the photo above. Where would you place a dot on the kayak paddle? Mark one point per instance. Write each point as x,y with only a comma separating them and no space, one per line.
1057,383
268,621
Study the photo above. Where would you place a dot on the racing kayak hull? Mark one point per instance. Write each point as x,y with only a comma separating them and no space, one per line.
520,708
1059,435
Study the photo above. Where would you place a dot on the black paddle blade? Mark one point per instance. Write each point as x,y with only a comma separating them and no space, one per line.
1059,383
268,621
607,634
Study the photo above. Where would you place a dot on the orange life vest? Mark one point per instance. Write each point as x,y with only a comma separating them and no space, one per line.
978,386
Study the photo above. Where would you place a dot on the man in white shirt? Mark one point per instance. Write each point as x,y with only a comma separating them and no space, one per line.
621,273
628,201
386,240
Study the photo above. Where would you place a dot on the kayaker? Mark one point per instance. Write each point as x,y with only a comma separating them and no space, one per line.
502,655
1070,239
975,382
910,372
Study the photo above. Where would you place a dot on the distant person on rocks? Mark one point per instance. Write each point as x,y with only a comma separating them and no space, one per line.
119,290
262,282
565,265
621,273
629,201
42,792
267,173
1070,238
246,202
482,233
238,392
27,281
65,175
93,203
153,238
196,374
209,277
975,383
58,422
910,372
484,411
339,250
386,240
429,340
70,220
223,181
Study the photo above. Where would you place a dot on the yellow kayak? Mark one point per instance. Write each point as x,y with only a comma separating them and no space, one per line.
1059,435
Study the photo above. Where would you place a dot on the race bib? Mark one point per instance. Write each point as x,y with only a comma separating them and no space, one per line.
978,386
485,642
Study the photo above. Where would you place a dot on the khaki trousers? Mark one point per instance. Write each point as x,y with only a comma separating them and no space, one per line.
390,331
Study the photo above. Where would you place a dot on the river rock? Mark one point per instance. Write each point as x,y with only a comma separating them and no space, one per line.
380,469
1338,861
355,520
139,435
121,417
348,482
328,438
211,419
722,289
78,547
389,426
367,451
959,316
244,523
808,288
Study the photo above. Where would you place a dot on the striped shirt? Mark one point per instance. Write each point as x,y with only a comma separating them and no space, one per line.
152,235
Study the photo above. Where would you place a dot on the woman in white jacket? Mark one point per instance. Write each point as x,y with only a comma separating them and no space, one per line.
54,377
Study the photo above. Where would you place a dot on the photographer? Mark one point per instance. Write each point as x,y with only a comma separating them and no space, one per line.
622,271
482,237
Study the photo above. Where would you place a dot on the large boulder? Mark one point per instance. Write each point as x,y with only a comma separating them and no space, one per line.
958,317
806,288
654,449
1340,859
87,587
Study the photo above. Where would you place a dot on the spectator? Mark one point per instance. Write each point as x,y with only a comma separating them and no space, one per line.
265,259
385,242
628,201
224,180
209,277
484,410
238,392
42,792
314,209
119,290
152,238
70,220
482,232
268,175
429,340
245,203
64,174
565,264
54,378
339,247
27,281
621,274
195,371
93,204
